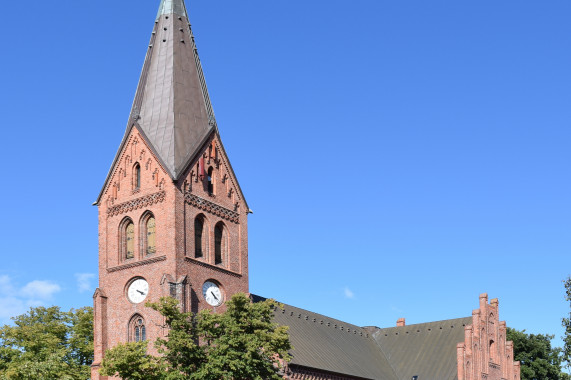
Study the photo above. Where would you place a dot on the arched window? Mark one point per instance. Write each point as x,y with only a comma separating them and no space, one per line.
150,243
128,239
493,351
220,243
137,329
137,177
200,237
210,180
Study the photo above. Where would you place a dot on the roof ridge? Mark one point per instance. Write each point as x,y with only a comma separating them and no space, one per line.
423,323
386,356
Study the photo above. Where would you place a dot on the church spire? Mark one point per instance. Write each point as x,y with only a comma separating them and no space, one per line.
171,109
172,7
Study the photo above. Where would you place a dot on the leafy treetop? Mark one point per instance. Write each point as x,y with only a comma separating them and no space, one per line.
241,343
539,360
47,343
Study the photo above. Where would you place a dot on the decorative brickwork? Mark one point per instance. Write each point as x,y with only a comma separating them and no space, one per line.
228,168
137,203
213,267
137,264
212,208
485,353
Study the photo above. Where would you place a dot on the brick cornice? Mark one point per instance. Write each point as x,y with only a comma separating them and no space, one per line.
217,268
136,203
212,208
136,264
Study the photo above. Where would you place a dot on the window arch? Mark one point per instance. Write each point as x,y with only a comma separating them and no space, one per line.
220,243
493,351
137,329
200,237
210,180
148,229
127,239
136,176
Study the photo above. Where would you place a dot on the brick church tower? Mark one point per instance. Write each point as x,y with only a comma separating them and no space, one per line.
172,217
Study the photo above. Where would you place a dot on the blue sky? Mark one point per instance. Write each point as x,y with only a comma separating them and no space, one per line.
400,157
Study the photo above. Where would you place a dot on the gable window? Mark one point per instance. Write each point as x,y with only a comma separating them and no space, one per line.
200,237
210,180
128,239
137,177
150,234
220,243
137,329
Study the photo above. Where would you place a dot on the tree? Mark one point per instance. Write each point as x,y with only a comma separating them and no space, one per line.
566,322
47,343
539,361
241,343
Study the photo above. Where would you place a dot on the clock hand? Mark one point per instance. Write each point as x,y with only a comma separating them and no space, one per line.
140,292
213,295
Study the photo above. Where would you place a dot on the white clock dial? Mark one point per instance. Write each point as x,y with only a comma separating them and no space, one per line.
212,294
138,290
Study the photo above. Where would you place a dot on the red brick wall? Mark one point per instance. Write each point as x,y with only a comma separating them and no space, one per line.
174,262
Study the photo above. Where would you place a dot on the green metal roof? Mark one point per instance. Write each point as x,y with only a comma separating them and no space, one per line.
426,350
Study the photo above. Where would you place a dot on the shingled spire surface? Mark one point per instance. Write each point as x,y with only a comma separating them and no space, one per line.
172,108
172,7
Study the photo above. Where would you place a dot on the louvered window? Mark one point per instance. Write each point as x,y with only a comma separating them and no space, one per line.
150,229
129,241
199,237
220,244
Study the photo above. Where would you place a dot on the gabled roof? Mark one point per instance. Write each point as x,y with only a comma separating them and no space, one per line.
331,345
426,350
172,108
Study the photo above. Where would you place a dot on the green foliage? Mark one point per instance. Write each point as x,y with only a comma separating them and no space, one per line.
131,362
539,361
566,322
241,343
47,343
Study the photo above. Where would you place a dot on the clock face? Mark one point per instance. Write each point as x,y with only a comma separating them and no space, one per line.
138,290
212,293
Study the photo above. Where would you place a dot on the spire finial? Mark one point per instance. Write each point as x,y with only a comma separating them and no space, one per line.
168,7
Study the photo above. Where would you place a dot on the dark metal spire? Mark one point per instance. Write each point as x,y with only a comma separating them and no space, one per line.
172,7
172,109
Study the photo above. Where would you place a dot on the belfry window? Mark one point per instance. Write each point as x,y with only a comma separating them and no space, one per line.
137,177
200,237
210,180
129,240
137,329
220,244
150,243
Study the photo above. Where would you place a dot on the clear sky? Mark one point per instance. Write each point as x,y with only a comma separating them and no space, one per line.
401,157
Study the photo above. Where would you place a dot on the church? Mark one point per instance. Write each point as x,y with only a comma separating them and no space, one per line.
173,221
